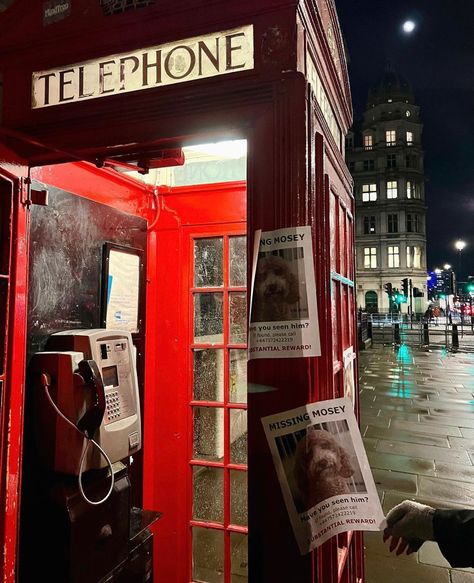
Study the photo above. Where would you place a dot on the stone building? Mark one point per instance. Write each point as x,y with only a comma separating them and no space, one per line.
385,157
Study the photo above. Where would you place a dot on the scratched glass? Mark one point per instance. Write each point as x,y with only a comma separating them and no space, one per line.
208,555
238,317
208,433
238,436
239,557
208,318
208,262
208,374
208,494
237,375
238,261
238,497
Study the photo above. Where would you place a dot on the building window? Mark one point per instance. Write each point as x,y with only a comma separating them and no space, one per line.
411,162
393,256
370,257
413,224
368,142
391,161
369,192
369,165
392,223
371,301
392,189
409,138
351,167
390,137
410,189
414,257
369,225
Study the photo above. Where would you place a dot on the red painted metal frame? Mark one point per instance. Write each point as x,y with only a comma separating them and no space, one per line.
226,231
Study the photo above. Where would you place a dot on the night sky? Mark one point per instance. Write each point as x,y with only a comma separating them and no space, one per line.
438,60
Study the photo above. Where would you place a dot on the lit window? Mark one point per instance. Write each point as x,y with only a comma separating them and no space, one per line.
369,192
370,257
369,225
417,257
391,161
409,138
409,257
410,189
392,189
392,223
393,256
368,142
390,137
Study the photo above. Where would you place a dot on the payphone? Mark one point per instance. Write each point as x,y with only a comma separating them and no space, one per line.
87,409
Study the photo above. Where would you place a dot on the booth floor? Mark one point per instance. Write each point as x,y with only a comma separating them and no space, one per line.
417,419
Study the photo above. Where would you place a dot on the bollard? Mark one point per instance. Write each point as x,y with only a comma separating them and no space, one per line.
455,337
426,335
396,334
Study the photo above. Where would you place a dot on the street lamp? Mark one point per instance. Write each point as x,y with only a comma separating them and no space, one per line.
460,245
446,266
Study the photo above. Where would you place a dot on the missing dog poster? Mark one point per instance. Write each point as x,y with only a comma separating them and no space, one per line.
323,471
284,314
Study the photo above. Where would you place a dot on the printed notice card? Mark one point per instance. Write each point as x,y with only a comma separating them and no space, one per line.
284,315
323,471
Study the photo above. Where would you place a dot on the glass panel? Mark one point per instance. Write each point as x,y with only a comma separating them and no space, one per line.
238,317
238,436
208,262
208,370
208,442
208,555
208,321
238,497
239,557
208,494
237,375
238,261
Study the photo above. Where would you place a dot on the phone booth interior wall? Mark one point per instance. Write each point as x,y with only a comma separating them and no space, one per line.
291,102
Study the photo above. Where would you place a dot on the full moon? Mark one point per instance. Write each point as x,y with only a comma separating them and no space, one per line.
408,26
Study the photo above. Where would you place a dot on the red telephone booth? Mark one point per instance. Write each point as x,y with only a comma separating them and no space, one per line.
94,87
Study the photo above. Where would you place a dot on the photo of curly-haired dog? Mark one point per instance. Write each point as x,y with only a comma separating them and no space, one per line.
278,295
320,463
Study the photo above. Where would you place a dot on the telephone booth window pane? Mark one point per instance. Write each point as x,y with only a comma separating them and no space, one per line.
208,320
239,557
208,435
208,555
208,375
238,497
208,494
237,375
238,261
238,436
238,317
208,262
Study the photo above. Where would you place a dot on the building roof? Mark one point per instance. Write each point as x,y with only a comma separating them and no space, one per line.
391,86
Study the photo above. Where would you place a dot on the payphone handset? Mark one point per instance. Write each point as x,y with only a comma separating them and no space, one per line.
89,377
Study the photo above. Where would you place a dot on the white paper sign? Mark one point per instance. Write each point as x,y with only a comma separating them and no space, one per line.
323,471
284,315
123,291
348,357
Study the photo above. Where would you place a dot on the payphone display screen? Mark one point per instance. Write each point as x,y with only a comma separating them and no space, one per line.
110,376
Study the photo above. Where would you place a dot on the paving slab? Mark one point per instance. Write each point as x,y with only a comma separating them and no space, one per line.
417,418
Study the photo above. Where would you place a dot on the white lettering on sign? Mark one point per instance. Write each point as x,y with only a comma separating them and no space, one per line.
186,60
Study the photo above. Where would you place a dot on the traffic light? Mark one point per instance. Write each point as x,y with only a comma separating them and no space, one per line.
404,283
470,287
388,289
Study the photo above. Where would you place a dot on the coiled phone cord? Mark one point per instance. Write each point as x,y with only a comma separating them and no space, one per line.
46,384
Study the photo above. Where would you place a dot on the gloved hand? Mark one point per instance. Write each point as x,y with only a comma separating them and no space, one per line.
410,524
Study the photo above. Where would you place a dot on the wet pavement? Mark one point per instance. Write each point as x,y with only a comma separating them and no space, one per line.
417,419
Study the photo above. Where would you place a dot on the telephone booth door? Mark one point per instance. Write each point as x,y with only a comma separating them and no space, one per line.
203,412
